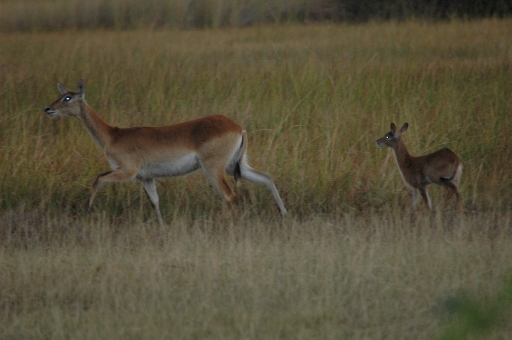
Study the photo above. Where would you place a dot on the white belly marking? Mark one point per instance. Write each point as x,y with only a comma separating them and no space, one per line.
175,167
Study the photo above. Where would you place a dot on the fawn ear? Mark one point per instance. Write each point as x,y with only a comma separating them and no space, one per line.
81,89
393,128
61,88
404,128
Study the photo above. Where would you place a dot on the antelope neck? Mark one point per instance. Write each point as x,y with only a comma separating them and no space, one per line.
402,156
97,128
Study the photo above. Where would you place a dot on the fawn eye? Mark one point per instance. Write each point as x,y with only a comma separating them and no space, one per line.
66,99
387,137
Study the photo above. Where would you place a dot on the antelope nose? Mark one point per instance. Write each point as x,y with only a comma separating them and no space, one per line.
46,109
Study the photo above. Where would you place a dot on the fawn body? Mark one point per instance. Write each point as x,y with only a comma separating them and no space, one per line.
442,167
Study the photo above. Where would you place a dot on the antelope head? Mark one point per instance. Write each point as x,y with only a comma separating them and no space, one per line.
68,103
393,137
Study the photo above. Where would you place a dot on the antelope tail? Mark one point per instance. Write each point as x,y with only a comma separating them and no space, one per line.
237,174
448,179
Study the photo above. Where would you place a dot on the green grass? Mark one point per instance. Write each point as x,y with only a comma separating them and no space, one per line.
349,262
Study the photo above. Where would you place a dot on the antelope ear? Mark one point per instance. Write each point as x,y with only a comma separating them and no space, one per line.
404,128
81,90
393,128
61,88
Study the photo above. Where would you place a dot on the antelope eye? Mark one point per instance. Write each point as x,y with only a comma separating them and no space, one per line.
66,99
387,136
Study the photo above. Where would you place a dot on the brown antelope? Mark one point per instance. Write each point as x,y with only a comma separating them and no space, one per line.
442,167
214,144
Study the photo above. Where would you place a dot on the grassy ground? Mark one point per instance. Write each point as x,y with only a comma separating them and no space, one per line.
350,261
380,277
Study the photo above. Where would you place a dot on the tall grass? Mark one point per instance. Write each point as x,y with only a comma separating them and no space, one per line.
349,262
313,99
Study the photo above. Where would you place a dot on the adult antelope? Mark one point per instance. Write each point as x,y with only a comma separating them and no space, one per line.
214,144
442,167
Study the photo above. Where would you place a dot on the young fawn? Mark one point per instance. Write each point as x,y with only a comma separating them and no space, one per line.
442,167
214,144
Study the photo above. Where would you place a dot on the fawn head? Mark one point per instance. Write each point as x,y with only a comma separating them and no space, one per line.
68,103
393,137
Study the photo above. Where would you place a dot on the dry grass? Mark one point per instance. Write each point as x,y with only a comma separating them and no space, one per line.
381,277
350,262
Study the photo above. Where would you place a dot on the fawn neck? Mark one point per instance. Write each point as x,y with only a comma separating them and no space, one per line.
402,156
97,128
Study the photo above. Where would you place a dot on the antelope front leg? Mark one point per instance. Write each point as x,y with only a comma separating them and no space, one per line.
426,197
150,187
116,175
415,197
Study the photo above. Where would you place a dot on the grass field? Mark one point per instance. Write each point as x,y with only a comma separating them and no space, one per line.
349,262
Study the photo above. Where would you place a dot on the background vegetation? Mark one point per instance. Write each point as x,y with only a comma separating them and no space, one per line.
30,15
350,261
